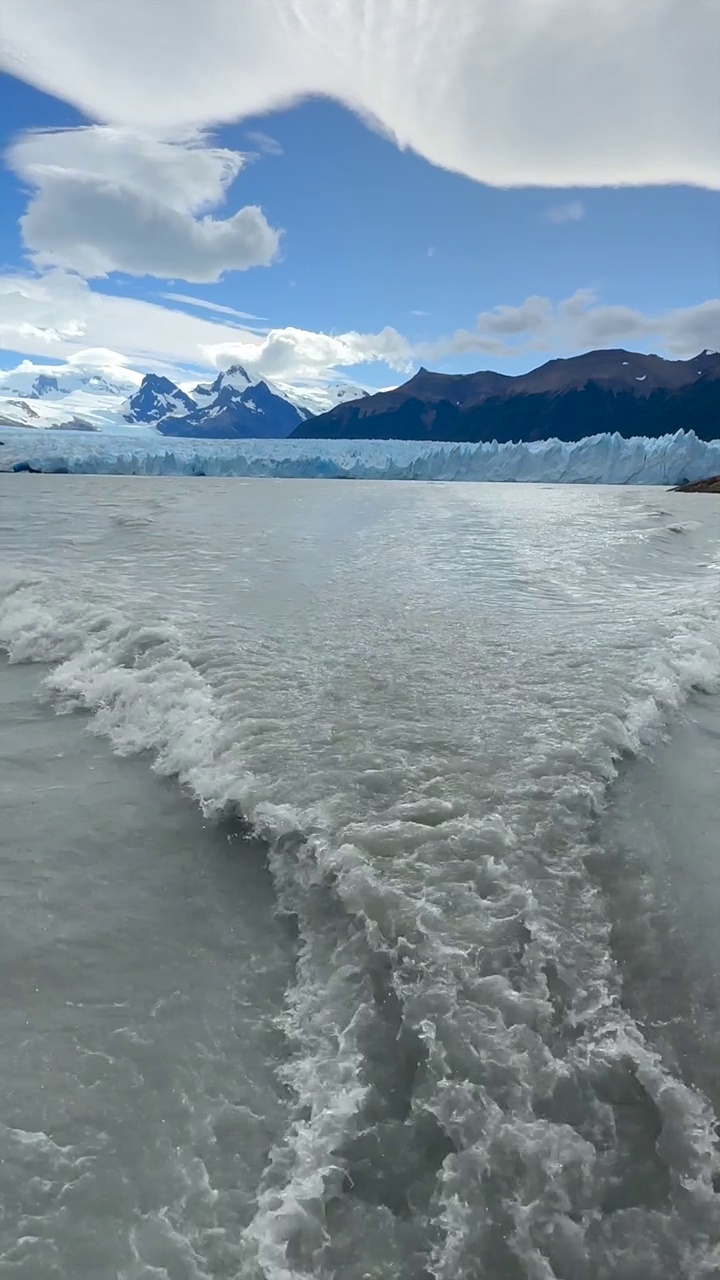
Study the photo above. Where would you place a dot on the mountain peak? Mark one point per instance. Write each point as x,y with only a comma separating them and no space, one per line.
157,382
156,397
44,385
233,406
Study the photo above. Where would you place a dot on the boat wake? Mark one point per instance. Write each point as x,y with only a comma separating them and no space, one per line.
473,1093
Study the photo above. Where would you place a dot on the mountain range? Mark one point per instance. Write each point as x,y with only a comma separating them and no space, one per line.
599,391
234,405
66,397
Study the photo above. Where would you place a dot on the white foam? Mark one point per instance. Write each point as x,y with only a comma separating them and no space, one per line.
402,828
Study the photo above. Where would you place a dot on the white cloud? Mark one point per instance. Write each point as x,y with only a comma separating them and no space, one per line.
573,211
694,329
530,316
58,314
547,92
67,314
581,323
62,317
205,305
579,302
90,360
463,342
98,357
193,176
264,143
300,353
108,199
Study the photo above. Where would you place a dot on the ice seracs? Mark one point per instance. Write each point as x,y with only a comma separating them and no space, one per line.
602,459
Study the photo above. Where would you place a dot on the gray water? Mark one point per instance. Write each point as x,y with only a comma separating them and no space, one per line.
359,904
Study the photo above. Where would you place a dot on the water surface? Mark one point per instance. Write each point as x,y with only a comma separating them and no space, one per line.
361,904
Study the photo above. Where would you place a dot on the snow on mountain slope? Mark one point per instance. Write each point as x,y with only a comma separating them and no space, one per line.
314,399
108,396
34,382
84,396
233,379
310,398
15,412
236,382
602,459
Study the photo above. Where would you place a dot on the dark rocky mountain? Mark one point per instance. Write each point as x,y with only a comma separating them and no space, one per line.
44,385
252,413
154,399
599,391
234,407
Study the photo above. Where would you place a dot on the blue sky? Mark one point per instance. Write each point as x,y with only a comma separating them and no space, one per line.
362,236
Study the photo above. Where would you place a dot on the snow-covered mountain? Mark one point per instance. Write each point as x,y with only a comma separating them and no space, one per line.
71,397
155,398
234,406
21,413
36,382
319,398
111,398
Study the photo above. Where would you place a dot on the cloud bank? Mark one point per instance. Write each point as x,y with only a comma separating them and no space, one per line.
59,315
581,323
523,92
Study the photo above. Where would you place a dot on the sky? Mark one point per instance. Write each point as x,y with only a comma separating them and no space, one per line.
347,189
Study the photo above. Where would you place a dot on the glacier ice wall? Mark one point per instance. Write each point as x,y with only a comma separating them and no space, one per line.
601,459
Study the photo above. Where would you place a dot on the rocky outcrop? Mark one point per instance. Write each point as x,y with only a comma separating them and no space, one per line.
711,485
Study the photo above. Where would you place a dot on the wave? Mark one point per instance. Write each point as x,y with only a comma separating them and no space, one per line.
472,1094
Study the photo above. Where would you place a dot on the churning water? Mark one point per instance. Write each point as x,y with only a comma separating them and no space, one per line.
360,918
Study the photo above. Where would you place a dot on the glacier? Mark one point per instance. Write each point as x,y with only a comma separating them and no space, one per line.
600,459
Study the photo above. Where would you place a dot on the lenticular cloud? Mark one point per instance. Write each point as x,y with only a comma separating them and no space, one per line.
547,92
